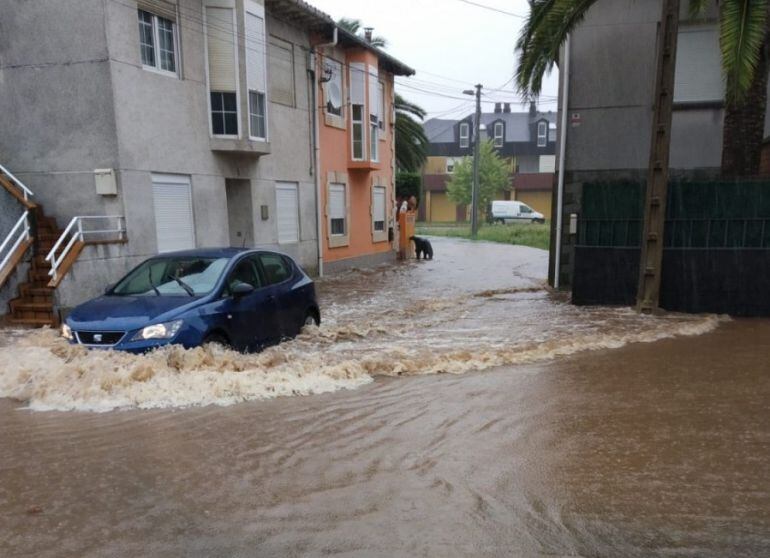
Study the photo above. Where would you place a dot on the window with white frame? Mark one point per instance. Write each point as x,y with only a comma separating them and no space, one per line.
157,42
698,65
374,117
465,134
256,56
498,134
381,89
333,87
287,212
337,210
222,75
450,165
357,109
542,134
378,209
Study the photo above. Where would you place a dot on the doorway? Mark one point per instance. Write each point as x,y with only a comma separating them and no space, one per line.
240,214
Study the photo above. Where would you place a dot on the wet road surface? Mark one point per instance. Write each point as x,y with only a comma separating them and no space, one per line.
590,432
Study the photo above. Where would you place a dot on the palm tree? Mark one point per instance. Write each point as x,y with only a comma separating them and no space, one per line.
744,43
411,141
353,26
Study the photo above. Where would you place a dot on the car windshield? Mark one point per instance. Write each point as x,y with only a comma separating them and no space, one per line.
172,276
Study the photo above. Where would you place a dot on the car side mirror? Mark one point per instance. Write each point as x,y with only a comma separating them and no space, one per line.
241,289
108,290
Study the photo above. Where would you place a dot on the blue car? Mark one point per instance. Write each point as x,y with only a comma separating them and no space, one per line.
246,299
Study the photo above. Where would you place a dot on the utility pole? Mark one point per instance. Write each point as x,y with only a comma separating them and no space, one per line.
476,146
650,263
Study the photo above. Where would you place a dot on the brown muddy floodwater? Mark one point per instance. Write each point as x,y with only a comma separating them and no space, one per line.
453,408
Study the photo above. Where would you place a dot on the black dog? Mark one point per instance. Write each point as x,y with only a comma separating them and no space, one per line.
422,246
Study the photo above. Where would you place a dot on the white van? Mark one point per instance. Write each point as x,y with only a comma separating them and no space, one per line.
504,211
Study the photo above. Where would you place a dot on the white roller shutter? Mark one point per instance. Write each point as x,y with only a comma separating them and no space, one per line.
173,212
220,38
378,211
287,212
374,94
698,65
255,52
337,201
357,83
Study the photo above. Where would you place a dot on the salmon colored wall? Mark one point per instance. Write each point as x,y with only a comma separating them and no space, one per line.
335,144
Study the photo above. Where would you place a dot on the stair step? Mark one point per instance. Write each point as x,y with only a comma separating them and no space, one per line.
24,304
27,289
32,321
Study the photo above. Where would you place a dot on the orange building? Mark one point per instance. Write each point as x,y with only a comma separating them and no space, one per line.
356,139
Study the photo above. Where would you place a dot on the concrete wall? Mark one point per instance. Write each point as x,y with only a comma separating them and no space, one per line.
74,97
611,94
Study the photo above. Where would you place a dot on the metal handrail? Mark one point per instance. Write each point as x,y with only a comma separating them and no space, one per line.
23,224
75,232
27,192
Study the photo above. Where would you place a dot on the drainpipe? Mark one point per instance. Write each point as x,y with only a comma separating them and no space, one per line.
562,164
317,146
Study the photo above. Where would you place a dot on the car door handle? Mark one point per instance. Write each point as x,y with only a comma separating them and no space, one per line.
271,298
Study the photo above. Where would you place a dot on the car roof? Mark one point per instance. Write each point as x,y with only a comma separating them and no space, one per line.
224,252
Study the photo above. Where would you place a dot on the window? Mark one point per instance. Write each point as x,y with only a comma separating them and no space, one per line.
374,136
173,276
374,116
255,70
172,201
157,42
224,114
244,272
525,209
257,118
450,165
357,101
281,72
542,134
333,87
275,267
381,94
223,83
498,134
698,65
378,209
337,210
287,212
465,134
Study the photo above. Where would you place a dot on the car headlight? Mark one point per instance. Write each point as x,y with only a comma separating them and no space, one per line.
158,331
66,332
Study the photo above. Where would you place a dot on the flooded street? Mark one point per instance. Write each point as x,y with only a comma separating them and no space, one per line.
453,408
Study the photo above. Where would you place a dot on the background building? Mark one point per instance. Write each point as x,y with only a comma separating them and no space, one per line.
357,138
526,139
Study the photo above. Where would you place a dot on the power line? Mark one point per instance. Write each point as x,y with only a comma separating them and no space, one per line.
492,9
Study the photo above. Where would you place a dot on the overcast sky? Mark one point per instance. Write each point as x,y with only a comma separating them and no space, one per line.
452,44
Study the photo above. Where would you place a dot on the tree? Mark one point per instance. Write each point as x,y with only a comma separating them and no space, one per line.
354,26
411,141
494,177
744,42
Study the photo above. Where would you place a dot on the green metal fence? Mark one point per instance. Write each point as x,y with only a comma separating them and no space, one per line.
713,215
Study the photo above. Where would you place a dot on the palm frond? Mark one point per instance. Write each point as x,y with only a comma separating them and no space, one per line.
743,32
402,105
546,29
698,7
349,24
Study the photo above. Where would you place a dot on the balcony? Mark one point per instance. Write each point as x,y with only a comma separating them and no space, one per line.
240,146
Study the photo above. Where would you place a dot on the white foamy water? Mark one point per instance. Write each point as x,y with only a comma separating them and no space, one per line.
402,321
